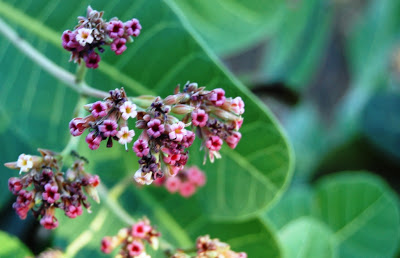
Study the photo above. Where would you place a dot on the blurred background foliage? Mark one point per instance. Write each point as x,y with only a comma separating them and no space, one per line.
328,70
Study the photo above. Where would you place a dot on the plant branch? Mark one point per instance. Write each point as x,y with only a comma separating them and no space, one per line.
61,74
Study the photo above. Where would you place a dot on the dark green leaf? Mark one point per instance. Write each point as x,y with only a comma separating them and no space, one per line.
12,247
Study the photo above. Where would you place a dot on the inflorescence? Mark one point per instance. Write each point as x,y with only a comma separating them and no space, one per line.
169,127
207,248
42,187
132,240
185,183
92,32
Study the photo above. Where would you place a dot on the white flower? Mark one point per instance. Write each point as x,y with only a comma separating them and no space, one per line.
24,162
128,110
146,179
125,135
84,36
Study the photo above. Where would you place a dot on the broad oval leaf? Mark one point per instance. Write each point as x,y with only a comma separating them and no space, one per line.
362,212
307,237
232,25
259,168
294,204
12,247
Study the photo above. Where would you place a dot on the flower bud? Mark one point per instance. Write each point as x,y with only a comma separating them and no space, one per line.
182,109
224,114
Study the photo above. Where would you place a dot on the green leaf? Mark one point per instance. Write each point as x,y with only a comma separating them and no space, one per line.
12,247
145,68
307,237
296,50
362,212
294,204
228,26
381,122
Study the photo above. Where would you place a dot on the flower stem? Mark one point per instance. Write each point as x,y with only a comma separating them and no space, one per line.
66,77
80,73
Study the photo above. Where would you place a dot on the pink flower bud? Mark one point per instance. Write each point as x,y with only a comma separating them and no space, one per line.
214,143
199,118
182,109
217,97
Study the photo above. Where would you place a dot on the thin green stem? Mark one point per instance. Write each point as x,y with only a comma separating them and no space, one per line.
58,72
80,73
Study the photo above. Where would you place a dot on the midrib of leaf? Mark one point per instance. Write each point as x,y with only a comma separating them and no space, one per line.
357,222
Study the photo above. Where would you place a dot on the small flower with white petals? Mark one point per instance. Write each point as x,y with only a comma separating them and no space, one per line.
128,109
146,179
84,36
125,136
25,162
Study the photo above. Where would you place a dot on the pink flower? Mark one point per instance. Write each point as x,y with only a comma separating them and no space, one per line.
93,141
23,202
199,117
99,109
94,181
109,128
188,140
135,248
49,221
233,139
118,45
214,143
106,245
171,159
69,41
217,97
187,189
84,36
155,128
140,229
51,194
133,27
173,184
177,131
75,127
237,105
14,185
115,29
141,148
196,176
92,60
73,211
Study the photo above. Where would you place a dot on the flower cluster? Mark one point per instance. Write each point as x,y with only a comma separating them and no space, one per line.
107,121
216,117
207,248
186,182
132,240
162,145
92,32
43,187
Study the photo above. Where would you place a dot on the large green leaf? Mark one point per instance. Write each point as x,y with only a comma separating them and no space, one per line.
362,212
145,68
231,25
295,52
11,247
167,52
307,237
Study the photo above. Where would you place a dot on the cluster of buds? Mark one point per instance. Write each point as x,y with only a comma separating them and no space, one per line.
132,240
92,32
107,121
216,117
42,187
186,182
207,248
